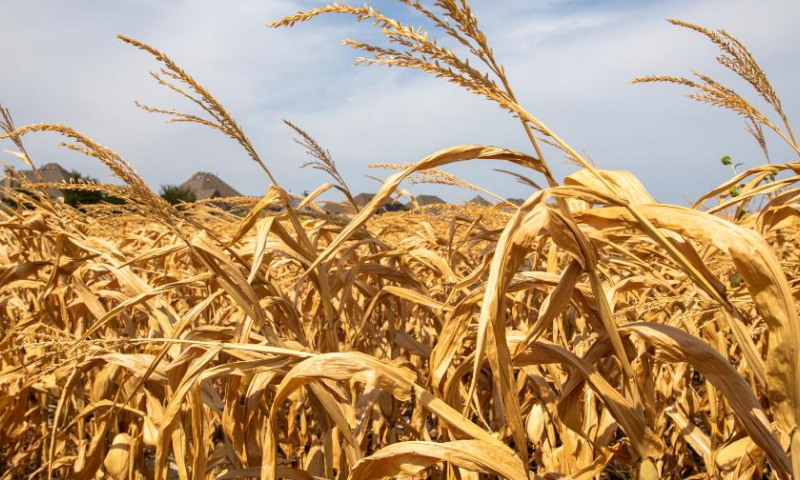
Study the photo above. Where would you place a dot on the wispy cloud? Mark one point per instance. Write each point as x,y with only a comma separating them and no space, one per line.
570,62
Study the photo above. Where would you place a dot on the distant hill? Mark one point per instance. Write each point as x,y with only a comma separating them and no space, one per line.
206,186
50,173
479,200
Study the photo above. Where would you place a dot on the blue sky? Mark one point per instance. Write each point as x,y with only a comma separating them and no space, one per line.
569,61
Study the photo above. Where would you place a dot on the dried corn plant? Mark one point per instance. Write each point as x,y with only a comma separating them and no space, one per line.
592,332
435,176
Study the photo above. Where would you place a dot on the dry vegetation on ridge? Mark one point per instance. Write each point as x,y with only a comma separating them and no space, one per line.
590,333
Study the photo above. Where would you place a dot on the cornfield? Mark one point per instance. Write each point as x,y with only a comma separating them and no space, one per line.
591,332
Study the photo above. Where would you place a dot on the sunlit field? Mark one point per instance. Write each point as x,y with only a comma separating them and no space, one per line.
587,331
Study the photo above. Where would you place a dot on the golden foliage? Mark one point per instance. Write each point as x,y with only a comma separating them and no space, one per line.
589,333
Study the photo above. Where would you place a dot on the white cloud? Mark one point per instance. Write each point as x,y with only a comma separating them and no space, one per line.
570,62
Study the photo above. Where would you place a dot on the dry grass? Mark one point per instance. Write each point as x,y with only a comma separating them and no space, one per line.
589,333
